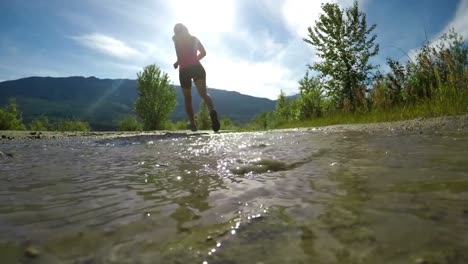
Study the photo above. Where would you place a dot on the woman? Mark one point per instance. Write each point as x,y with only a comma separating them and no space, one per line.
188,62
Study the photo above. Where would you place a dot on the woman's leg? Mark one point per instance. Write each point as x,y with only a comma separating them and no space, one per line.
187,92
201,88
186,85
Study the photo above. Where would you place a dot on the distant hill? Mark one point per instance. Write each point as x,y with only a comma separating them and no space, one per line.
102,102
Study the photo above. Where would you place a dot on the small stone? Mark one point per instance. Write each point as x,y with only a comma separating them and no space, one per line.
465,213
6,154
209,238
421,261
4,137
109,231
32,252
33,133
88,261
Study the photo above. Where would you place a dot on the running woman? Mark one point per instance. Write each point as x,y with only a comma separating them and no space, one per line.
189,52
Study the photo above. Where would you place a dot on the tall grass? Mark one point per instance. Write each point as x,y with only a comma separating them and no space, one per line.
447,105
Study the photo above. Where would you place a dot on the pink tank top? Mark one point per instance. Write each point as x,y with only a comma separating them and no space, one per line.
187,52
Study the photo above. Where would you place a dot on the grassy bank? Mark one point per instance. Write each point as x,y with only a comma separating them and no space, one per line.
448,105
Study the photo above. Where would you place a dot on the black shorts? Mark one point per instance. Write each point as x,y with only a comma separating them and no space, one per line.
195,72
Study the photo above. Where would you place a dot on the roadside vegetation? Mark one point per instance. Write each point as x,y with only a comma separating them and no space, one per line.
10,119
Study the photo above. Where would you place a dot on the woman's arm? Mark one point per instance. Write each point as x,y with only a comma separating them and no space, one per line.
176,64
201,49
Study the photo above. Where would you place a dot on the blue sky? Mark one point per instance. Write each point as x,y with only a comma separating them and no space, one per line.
254,47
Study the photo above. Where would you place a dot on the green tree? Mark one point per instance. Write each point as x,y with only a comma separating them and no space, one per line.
157,99
283,108
311,97
341,38
10,118
202,118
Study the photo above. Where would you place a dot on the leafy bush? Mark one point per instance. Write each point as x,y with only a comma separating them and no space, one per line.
310,102
41,124
129,124
73,125
180,125
438,71
227,124
10,118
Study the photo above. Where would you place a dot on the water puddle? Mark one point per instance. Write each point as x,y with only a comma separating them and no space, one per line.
266,197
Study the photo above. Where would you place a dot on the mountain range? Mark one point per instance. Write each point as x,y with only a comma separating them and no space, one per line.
102,102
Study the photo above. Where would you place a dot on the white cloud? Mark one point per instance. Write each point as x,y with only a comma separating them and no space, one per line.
302,14
108,45
459,23
287,62
460,20
263,79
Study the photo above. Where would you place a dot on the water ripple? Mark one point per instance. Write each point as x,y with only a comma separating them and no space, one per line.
210,198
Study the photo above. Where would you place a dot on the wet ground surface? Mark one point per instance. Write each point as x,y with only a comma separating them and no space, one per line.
267,197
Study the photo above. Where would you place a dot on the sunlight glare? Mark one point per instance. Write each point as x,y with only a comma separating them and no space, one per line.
204,15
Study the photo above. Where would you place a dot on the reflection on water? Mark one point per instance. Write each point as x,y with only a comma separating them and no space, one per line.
270,197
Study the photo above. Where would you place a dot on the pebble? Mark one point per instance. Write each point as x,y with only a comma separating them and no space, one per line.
465,213
421,261
6,154
32,252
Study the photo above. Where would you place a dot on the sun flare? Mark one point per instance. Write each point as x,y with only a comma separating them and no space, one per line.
205,16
